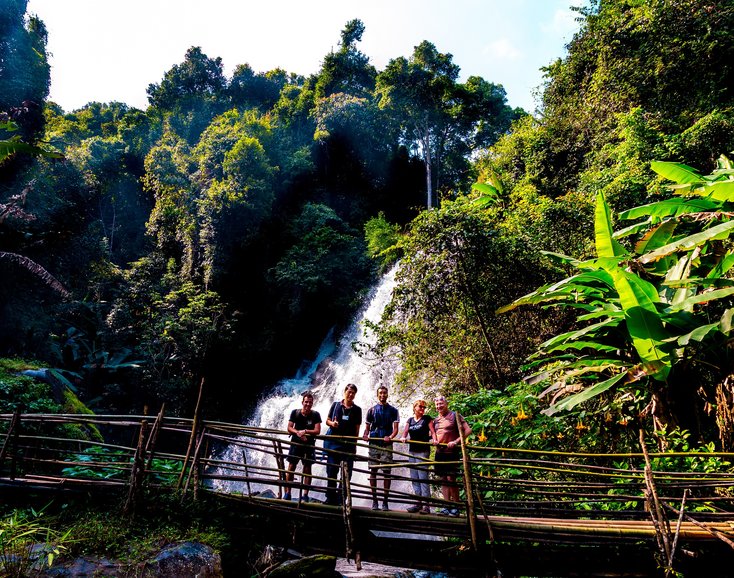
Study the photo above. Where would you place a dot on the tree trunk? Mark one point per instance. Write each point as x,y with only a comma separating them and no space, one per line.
427,160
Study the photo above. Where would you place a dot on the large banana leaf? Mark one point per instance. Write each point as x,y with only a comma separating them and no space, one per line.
644,324
721,191
722,267
573,400
701,298
677,273
657,237
670,208
578,345
579,287
717,232
697,334
676,172
574,335
725,324
606,244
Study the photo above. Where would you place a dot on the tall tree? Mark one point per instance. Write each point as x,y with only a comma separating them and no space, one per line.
439,114
24,68
348,69
191,94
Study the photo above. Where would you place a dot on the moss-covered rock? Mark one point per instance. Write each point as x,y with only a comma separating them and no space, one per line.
27,386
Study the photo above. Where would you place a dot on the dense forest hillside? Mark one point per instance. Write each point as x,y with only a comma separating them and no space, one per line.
614,347
222,231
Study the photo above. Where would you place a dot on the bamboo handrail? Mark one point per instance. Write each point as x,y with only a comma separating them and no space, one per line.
612,497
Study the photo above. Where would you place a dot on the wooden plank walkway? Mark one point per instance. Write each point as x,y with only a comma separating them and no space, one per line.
528,508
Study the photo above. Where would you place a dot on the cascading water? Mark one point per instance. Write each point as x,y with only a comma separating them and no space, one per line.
336,364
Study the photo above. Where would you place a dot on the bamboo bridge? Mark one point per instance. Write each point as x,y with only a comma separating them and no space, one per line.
524,512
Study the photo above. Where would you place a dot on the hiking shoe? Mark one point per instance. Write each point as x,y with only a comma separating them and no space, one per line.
445,512
425,510
287,497
375,505
414,509
385,507
454,512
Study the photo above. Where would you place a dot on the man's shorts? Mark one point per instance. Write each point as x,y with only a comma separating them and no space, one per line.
305,452
380,452
443,469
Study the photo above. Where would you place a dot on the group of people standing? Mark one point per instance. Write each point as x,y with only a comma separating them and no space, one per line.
344,419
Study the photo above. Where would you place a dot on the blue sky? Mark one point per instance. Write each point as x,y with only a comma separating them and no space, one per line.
104,50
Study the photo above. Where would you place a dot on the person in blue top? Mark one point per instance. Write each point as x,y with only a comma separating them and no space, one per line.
303,425
381,426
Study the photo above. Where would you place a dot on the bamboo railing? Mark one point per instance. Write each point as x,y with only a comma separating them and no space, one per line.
508,494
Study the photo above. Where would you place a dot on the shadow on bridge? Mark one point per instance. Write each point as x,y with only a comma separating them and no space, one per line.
523,512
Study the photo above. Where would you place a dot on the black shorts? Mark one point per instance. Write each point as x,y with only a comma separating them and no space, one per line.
298,452
443,469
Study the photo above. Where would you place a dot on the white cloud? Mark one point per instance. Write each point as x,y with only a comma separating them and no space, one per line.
503,49
563,23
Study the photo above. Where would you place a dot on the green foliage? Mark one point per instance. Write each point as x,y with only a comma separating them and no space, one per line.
28,543
23,392
176,323
456,267
383,240
103,463
347,70
446,119
514,418
647,314
327,262
24,70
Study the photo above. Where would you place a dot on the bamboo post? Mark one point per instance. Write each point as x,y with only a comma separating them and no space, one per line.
247,471
278,447
713,531
192,437
468,485
137,472
14,456
153,439
352,551
194,467
677,527
10,433
659,520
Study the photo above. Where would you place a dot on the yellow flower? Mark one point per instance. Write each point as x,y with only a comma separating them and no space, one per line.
481,437
580,427
521,415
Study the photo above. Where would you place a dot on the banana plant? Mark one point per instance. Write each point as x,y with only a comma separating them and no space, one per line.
657,294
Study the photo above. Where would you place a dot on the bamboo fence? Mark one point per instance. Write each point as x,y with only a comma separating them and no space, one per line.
507,494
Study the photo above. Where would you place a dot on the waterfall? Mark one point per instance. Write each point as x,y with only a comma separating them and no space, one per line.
336,364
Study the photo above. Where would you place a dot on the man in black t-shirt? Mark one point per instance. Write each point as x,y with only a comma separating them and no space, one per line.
343,420
303,425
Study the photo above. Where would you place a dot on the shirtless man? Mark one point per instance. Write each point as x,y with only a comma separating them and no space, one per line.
448,451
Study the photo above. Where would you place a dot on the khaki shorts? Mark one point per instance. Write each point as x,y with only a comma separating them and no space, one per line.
380,453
